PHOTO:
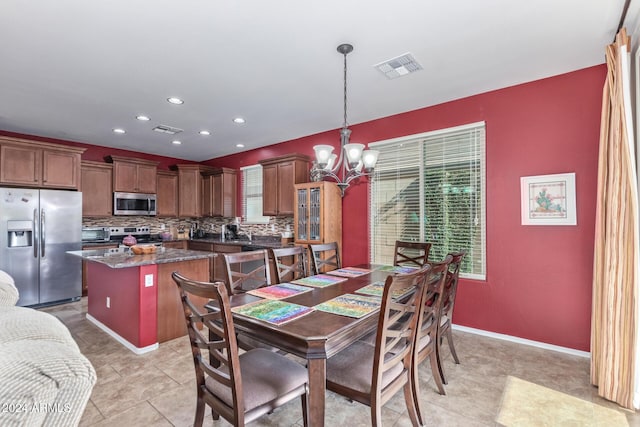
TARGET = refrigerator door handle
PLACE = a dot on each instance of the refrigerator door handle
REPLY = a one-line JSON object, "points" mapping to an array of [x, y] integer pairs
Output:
{"points": [[35, 233], [42, 234]]}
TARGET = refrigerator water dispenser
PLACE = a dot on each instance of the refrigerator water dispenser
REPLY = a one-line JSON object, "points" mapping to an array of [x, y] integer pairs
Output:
{"points": [[20, 234]]}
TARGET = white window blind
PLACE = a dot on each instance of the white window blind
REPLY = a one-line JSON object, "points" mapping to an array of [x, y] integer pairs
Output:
{"points": [[431, 187], [252, 195]]}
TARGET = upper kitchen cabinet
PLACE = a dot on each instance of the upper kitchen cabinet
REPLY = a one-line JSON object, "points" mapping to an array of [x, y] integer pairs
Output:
{"points": [[279, 175], [131, 175], [39, 164], [97, 196], [219, 192], [167, 196], [190, 189]]}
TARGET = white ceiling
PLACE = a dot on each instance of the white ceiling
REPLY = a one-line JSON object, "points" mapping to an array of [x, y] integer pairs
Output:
{"points": [[76, 69]]}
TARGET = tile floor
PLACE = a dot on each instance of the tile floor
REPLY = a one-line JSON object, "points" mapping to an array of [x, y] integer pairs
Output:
{"points": [[157, 389]]}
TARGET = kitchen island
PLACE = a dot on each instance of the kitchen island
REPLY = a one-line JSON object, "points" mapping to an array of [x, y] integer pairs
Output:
{"points": [[133, 297]]}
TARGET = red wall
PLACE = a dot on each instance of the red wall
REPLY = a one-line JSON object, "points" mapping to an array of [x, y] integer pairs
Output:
{"points": [[538, 283]]}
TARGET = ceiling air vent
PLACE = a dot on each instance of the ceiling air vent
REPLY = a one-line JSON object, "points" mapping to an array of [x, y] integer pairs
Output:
{"points": [[398, 67], [167, 129]]}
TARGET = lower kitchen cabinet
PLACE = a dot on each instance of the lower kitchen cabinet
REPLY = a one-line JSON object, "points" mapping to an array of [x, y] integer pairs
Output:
{"points": [[176, 244], [218, 269], [219, 272]]}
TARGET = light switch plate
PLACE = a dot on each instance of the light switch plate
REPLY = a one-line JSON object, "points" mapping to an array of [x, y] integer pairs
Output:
{"points": [[148, 280]]}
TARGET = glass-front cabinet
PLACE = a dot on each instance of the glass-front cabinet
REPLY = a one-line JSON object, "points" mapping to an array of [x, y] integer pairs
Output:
{"points": [[318, 213]]}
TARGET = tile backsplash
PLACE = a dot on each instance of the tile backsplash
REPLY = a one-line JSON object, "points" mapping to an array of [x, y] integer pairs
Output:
{"points": [[276, 226]]}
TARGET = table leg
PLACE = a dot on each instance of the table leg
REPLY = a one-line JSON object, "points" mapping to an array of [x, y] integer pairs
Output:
{"points": [[317, 385]]}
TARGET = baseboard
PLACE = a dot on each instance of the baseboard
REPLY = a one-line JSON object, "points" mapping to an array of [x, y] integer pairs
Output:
{"points": [[124, 342], [518, 340]]}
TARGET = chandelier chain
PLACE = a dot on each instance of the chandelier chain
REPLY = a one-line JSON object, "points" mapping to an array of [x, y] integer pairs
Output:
{"points": [[345, 91]]}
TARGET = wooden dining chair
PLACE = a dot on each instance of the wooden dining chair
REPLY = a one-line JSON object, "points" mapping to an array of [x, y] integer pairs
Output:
{"points": [[238, 387], [448, 300], [372, 375], [289, 263], [246, 270], [411, 253], [324, 257], [426, 342]]}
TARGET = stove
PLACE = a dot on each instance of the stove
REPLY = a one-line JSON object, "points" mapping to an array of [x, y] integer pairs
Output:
{"points": [[142, 235]]}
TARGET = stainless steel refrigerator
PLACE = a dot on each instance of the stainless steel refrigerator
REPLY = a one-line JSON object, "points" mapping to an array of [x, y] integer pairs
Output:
{"points": [[37, 228]]}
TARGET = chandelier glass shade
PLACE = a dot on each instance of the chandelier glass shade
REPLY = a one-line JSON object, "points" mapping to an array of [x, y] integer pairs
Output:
{"points": [[353, 160]]}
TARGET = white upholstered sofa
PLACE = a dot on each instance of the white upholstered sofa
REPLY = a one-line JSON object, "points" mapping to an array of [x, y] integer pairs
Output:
{"points": [[44, 379]]}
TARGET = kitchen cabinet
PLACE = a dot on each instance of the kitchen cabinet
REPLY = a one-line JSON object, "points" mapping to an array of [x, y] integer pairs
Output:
{"points": [[318, 215], [219, 272], [131, 175], [193, 245], [218, 268], [85, 280], [97, 195], [175, 244], [219, 192], [38, 164], [190, 189], [167, 195], [279, 175]]}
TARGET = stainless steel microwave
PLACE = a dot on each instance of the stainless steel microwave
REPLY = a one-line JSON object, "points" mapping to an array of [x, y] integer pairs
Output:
{"points": [[134, 204]]}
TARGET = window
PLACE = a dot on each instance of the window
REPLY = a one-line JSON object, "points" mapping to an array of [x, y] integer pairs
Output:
{"points": [[252, 195], [431, 187]]}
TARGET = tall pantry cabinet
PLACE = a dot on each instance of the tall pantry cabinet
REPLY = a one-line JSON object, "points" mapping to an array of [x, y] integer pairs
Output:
{"points": [[318, 214]]}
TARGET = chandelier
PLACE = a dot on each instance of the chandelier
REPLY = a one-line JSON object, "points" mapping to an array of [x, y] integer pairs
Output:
{"points": [[354, 160]]}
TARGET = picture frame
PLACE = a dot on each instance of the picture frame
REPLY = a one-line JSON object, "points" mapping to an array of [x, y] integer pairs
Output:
{"points": [[548, 199]]}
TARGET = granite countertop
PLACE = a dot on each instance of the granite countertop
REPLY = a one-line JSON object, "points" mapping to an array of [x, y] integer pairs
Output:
{"points": [[122, 258]]}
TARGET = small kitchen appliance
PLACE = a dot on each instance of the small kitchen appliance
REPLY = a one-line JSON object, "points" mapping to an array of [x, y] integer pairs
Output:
{"points": [[95, 234]]}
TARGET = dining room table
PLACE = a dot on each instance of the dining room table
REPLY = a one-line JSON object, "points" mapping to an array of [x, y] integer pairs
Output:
{"points": [[318, 335]]}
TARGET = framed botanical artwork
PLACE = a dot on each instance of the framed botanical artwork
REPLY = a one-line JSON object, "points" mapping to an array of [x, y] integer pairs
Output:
{"points": [[548, 199]]}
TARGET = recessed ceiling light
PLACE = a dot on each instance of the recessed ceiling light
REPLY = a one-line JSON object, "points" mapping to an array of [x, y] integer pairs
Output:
{"points": [[175, 100], [238, 120], [143, 118], [240, 145], [205, 132], [176, 142], [118, 130]]}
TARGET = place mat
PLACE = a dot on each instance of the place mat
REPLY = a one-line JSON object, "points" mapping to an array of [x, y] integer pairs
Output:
{"points": [[350, 305], [397, 269], [273, 311], [349, 272], [319, 280], [377, 288], [281, 291]]}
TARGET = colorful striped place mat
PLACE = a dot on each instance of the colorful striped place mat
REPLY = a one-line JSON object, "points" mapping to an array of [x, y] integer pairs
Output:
{"points": [[377, 288], [397, 269], [273, 311], [319, 280], [280, 291], [349, 272], [350, 305]]}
